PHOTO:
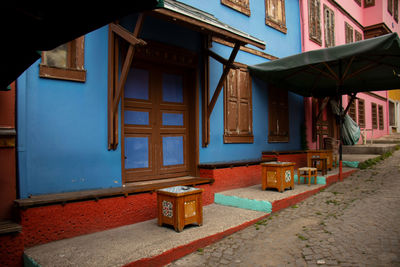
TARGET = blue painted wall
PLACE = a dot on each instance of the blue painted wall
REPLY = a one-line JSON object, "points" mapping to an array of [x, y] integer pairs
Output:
{"points": [[62, 125], [62, 128]]}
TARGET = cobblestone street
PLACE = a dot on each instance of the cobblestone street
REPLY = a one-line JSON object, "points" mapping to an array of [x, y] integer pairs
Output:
{"points": [[351, 223]]}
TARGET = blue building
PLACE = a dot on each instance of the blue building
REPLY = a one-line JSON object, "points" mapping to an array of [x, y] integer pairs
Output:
{"points": [[163, 126], [153, 100]]}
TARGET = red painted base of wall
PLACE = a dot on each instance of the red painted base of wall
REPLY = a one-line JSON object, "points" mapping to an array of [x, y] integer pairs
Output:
{"points": [[54, 222], [11, 250]]}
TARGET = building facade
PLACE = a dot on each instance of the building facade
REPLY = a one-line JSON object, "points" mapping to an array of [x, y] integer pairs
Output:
{"points": [[155, 99], [327, 23]]}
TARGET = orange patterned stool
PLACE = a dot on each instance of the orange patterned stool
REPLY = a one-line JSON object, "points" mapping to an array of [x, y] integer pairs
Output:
{"points": [[307, 172]]}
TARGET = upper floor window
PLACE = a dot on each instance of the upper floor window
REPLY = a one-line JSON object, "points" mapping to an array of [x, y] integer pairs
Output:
{"points": [[358, 2], [329, 26], [396, 10], [374, 116], [380, 117], [352, 110], [390, 6], [361, 112], [368, 3], [238, 122], [314, 17], [242, 6], [358, 36], [348, 33], [275, 14], [65, 62]]}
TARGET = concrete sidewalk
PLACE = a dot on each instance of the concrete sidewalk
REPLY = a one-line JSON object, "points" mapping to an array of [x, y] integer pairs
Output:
{"points": [[148, 244]]}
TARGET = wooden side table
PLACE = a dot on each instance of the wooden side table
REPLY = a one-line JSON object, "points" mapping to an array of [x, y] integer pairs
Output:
{"points": [[179, 206], [279, 175], [307, 173], [320, 154], [320, 163]]}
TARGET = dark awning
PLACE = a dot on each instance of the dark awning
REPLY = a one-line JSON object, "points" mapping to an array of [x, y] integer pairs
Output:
{"points": [[369, 65], [30, 27]]}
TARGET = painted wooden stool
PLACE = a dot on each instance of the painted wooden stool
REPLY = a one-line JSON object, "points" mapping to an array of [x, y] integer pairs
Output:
{"points": [[179, 206], [320, 163], [307, 173]]}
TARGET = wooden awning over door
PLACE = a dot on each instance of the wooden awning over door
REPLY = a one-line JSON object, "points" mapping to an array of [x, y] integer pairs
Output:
{"points": [[187, 16]]}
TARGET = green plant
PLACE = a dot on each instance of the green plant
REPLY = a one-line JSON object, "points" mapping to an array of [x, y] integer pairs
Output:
{"points": [[302, 237]]}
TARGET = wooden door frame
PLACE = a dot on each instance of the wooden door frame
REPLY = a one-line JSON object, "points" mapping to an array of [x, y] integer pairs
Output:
{"points": [[188, 63]]}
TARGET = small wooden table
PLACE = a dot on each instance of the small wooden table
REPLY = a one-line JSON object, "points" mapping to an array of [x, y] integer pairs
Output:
{"points": [[179, 206], [321, 164], [307, 173], [279, 175], [320, 154]]}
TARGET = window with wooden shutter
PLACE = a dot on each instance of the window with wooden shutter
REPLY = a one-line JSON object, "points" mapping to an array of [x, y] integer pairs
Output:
{"points": [[368, 3], [374, 116], [396, 10], [352, 110], [361, 112], [314, 17], [390, 6], [329, 25], [278, 115], [275, 14], [358, 35], [380, 116], [243, 6], [392, 114], [348, 33], [238, 117], [358, 2]]}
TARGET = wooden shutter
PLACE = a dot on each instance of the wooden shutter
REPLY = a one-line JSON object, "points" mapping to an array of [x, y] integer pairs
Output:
{"points": [[238, 123], [380, 113], [361, 113], [314, 10], [242, 6], [368, 3], [358, 36], [374, 116], [348, 33], [396, 10], [275, 14], [352, 110], [278, 115], [390, 6], [329, 24], [358, 2]]}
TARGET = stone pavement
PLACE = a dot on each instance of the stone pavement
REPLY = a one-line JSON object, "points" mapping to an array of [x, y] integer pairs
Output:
{"points": [[351, 223]]}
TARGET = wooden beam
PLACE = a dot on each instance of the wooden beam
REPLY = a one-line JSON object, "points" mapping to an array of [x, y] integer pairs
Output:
{"points": [[222, 79], [126, 35], [205, 92], [110, 88]]}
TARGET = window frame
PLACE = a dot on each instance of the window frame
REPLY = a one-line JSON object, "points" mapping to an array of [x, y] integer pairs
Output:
{"points": [[369, 4], [358, 2], [349, 33], [396, 10], [75, 64], [374, 116], [280, 26], [390, 7], [358, 36], [329, 28], [352, 109], [381, 117], [282, 102], [238, 136], [242, 6], [361, 112], [314, 6]]}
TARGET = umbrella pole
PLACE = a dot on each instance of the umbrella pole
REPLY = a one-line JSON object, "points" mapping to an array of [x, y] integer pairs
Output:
{"points": [[340, 139]]}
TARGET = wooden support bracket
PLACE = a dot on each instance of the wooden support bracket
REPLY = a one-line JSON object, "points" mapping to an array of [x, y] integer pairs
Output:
{"points": [[116, 84], [207, 107]]}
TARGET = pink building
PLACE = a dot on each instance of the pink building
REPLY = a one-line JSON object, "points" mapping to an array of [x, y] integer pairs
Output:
{"points": [[327, 23]]}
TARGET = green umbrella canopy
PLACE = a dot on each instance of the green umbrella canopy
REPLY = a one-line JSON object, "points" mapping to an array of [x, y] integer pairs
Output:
{"points": [[368, 65]]}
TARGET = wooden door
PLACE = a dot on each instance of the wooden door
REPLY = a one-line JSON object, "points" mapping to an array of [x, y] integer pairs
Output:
{"points": [[156, 116]]}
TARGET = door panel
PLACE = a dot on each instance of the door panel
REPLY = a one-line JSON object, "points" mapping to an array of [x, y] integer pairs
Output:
{"points": [[156, 123]]}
